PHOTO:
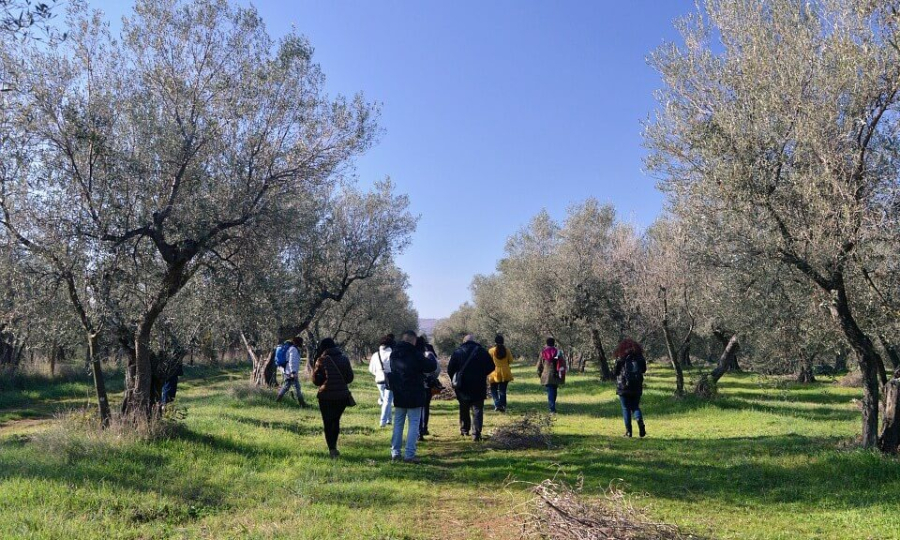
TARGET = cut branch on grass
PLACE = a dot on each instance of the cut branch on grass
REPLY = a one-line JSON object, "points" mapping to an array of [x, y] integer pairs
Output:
{"points": [[558, 511], [530, 431]]}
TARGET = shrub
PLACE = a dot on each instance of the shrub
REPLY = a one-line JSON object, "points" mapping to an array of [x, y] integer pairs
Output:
{"points": [[77, 434]]}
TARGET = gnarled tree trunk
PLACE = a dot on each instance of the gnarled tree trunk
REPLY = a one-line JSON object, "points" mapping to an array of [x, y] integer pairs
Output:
{"points": [[675, 356], [605, 372], [889, 438], [706, 384], [263, 373]]}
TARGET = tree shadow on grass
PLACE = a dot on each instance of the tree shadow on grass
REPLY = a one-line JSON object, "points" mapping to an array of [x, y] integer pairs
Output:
{"points": [[782, 469]]}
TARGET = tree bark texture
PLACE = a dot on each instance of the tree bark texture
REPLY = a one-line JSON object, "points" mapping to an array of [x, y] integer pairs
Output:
{"points": [[889, 438], [602, 361], [99, 383], [707, 383], [869, 362]]}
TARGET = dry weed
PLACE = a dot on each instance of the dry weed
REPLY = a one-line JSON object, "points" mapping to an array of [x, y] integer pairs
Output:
{"points": [[562, 512]]}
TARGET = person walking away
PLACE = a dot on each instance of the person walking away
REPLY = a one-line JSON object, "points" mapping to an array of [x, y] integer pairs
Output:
{"points": [[551, 368], [332, 373], [502, 374], [469, 367], [629, 371], [378, 364], [288, 354], [170, 387], [407, 381], [431, 382]]}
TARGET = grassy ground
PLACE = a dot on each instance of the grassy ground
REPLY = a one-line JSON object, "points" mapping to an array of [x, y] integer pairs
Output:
{"points": [[761, 461]]}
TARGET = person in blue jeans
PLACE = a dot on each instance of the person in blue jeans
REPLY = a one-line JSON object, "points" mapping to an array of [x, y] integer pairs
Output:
{"points": [[407, 381], [551, 368], [629, 371]]}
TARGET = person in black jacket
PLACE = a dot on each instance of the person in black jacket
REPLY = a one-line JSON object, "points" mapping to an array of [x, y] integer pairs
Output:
{"points": [[170, 387], [469, 368], [332, 373], [406, 376], [629, 372]]}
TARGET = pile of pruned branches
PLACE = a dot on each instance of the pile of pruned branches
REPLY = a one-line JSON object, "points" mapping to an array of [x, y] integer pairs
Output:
{"points": [[561, 512], [532, 430], [447, 393]]}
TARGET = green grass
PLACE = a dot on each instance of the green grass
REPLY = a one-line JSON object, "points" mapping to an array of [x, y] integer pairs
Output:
{"points": [[761, 461]]}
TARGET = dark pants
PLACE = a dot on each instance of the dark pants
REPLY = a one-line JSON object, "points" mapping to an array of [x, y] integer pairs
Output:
{"points": [[331, 420], [498, 392], [466, 425], [426, 412], [552, 390], [169, 389], [631, 406]]}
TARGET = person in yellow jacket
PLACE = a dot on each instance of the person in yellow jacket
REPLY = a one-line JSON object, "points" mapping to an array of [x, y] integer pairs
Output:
{"points": [[502, 374]]}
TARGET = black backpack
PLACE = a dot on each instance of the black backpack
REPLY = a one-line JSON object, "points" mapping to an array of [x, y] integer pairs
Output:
{"points": [[630, 379]]}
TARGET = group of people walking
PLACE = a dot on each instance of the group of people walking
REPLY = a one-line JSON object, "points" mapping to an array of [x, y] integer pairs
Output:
{"points": [[407, 371]]}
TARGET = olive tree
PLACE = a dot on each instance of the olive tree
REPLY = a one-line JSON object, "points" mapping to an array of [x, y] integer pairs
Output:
{"points": [[189, 137], [776, 139]]}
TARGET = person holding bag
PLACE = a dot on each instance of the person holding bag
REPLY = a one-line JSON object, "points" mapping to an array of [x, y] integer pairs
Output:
{"points": [[551, 368], [379, 365], [469, 367], [332, 373]]}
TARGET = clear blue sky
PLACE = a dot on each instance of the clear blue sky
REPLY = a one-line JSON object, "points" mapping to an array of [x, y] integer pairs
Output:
{"points": [[492, 110]]}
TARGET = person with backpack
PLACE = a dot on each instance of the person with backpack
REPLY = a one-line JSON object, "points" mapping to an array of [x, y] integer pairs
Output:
{"points": [[407, 381], [332, 373], [502, 374], [432, 383], [551, 368], [469, 367], [378, 365], [629, 371], [287, 359]]}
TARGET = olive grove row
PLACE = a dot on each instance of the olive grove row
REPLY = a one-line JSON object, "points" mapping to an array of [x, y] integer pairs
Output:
{"points": [[185, 181], [776, 141]]}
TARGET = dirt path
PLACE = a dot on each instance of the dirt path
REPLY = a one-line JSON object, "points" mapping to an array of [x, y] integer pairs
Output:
{"points": [[25, 426]]}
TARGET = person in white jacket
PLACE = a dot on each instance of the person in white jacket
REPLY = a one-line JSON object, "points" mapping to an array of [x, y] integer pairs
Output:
{"points": [[291, 372], [378, 366]]}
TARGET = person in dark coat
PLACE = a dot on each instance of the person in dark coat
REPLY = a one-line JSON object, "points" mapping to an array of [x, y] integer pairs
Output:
{"points": [[431, 381], [406, 376], [469, 367], [170, 387], [629, 371], [332, 373]]}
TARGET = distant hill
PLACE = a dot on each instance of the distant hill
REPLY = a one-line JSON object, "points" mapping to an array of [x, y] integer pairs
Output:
{"points": [[426, 326]]}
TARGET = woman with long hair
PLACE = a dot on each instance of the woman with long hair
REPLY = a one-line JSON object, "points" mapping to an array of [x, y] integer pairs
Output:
{"points": [[629, 372], [502, 374], [332, 374]]}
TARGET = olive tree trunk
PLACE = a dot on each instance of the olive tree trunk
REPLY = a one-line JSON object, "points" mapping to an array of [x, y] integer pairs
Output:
{"points": [[602, 361], [706, 384], [889, 438]]}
